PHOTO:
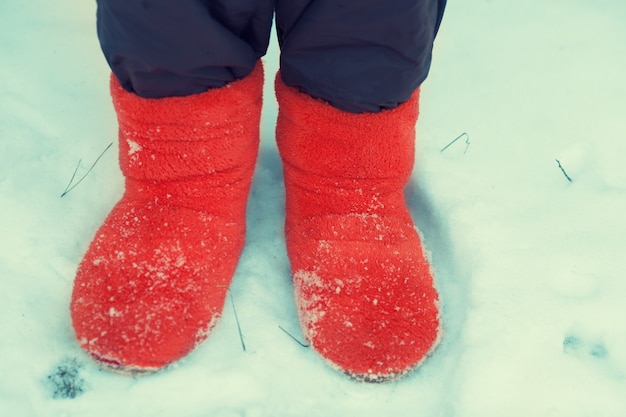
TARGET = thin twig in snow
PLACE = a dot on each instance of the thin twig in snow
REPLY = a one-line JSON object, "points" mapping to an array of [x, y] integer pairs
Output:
{"points": [[293, 337], [232, 301], [70, 187], [563, 170], [467, 142]]}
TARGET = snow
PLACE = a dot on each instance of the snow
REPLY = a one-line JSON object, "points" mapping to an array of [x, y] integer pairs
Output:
{"points": [[530, 266]]}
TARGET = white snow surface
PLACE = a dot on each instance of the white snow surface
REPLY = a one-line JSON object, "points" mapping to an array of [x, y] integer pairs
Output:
{"points": [[530, 267]]}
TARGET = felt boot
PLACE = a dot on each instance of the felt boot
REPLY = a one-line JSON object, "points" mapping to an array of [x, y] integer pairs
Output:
{"points": [[363, 287], [153, 282]]}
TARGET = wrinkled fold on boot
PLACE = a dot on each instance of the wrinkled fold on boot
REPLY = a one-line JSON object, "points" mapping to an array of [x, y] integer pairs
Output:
{"points": [[363, 286], [154, 279]]}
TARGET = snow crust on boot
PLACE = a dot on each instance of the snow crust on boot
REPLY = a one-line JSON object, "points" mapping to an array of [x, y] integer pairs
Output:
{"points": [[153, 281], [363, 286]]}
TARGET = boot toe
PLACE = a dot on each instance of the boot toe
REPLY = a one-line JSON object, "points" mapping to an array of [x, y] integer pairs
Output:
{"points": [[368, 308], [152, 285]]}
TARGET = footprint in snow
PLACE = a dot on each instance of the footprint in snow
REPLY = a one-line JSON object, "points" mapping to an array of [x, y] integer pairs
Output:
{"points": [[578, 346]]}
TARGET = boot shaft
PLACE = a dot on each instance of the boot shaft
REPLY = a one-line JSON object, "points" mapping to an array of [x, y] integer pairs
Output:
{"points": [[354, 163], [195, 151], [183, 137]]}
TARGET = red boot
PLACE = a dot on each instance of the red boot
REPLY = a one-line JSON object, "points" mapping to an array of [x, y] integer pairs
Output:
{"points": [[363, 287], [153, 281]]}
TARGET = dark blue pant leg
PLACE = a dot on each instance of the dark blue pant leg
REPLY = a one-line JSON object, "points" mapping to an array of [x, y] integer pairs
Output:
{"points": [[359, 55], [160, 48]]}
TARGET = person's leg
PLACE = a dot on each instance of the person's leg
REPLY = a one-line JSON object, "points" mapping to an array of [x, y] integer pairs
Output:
{"points": [[164, 48], [153, 281], [358, 55], [346, 133]]}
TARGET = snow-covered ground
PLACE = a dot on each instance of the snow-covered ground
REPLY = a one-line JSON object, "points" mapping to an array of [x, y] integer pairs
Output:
{"points": [[530, 266]]}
